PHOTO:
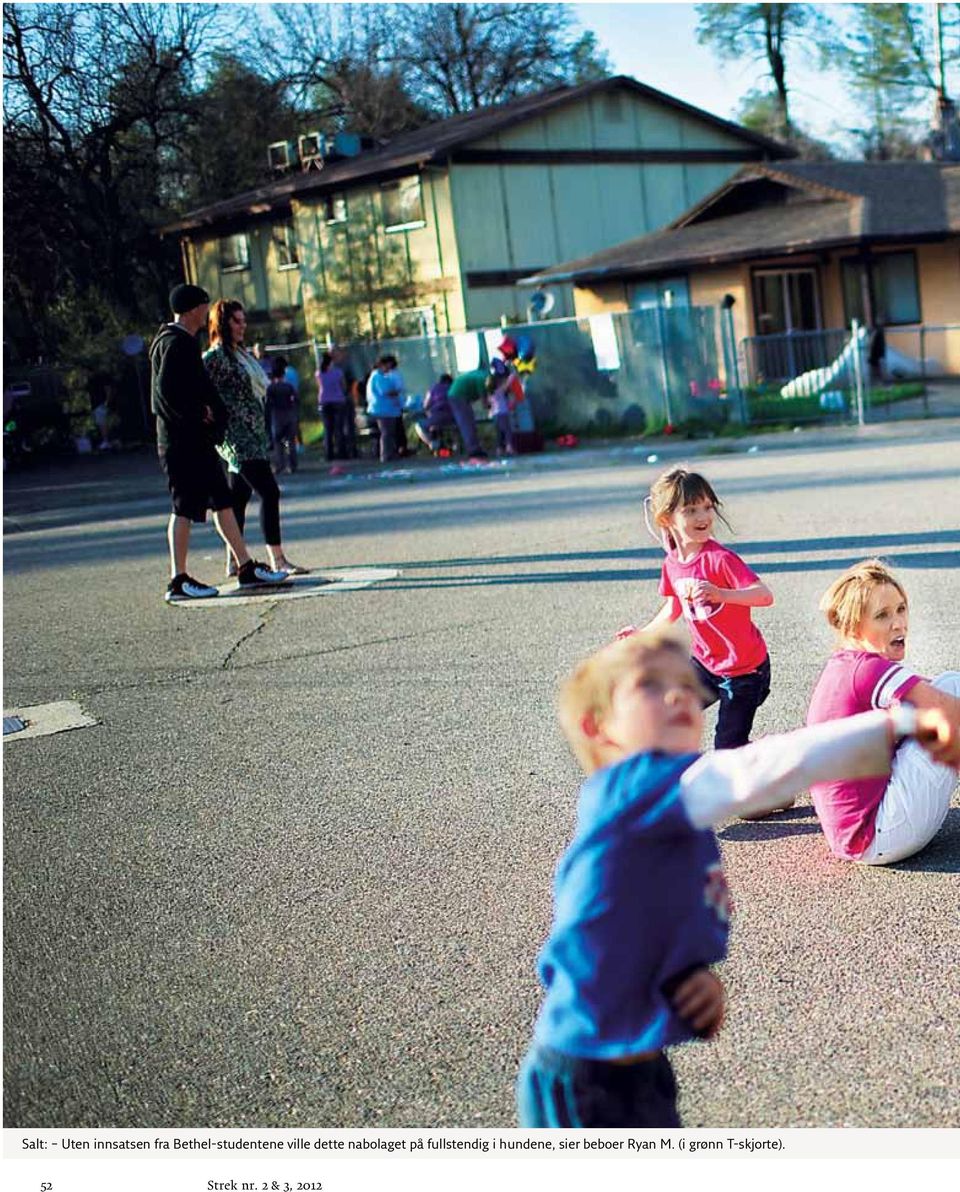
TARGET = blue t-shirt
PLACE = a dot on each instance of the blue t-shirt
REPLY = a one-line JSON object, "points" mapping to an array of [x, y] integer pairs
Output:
{"points": [[639, 899]]}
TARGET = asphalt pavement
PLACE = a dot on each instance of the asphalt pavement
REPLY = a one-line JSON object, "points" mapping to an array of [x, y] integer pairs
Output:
{"points": [[299, 871]]}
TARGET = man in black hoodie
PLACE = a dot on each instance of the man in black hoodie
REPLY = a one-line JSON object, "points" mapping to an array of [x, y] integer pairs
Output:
{"points": [[191, 420]]}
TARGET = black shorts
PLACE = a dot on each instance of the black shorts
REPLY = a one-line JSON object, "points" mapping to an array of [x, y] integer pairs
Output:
{"points": [[196, 480]]}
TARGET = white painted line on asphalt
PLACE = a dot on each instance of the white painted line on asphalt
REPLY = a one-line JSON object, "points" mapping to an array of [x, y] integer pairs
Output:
{"points": [[297, 587], [44, 719]]}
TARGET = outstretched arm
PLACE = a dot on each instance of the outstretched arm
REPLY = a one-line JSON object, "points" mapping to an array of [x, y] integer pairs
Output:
{"points": [[760, 776], [669, 612], [926, 695]]}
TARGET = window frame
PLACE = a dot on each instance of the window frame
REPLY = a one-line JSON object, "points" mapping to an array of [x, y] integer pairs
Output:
{"points": [[781, 271], [871, 264], [330, 202], [288, 243], [396, 185], [236, 266]]}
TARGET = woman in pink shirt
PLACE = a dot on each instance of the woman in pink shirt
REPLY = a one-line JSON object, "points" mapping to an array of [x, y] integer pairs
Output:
{"points": [[878, 821]]}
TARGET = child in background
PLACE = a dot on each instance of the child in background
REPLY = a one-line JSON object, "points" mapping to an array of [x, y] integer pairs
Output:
{"points": [[500, 401], [283, 417], [714, 590], [640, 903]]}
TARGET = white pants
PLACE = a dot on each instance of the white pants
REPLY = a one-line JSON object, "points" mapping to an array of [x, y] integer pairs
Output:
{"points": [[917, 797]]}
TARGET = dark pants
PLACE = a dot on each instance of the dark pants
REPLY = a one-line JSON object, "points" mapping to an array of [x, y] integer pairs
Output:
{"points": [[390, 432], [284, 431], [568, 1093], [739, 699], [351, 447], [504, 433], [255, 475], [334, 416]]}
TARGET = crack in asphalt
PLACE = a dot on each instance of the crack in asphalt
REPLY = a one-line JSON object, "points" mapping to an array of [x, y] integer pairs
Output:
{"points": [[87, 693], [263, 618]]}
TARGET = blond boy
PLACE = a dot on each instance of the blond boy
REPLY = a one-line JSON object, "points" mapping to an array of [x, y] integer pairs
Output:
{"points": [[641, 906]]}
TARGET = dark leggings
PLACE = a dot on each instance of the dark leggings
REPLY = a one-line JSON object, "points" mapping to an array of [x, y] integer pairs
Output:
{"points": [[255, 475]]}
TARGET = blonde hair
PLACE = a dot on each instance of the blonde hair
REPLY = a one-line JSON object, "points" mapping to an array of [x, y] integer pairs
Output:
{"points": [[678, 487], [588, 691], [845, 602]]}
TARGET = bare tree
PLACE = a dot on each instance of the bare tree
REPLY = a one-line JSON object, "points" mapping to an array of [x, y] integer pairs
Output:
{"points": [[337, 63], [96, 101], [457, 57]]}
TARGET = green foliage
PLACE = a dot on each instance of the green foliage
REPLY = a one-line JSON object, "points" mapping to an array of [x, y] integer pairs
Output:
{"points": [[236, 115], [773, 408], [760, 111], [365, 278], [764, 33], [905, 391], [881, 53]]}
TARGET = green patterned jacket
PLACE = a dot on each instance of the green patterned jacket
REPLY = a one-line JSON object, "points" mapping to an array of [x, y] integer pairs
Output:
{"points": [[246, 436]]}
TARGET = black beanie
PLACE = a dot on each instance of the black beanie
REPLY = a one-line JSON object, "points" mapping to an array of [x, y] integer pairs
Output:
{"points": [[184, 298]]}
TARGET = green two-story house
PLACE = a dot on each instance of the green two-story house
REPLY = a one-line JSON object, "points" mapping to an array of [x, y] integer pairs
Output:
{"points": [[429, 232]]}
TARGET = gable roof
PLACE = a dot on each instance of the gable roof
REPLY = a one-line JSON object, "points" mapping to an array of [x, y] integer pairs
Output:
{"points": [[437, 141], [783, 209]]}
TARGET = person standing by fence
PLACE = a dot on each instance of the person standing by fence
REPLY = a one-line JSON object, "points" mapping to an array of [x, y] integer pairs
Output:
{"points": [[385, 404], [333, 408]]}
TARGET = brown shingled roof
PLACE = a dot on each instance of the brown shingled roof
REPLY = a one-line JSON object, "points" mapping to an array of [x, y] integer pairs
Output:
{"points": [[785, 209], [434, 141]]}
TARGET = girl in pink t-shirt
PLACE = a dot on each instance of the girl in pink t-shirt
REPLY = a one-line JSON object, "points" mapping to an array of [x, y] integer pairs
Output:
{"points": [[879, 820], [714, 590]]}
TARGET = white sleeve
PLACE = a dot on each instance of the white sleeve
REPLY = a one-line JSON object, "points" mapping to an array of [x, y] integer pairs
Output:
{"points": [[759, 776]]}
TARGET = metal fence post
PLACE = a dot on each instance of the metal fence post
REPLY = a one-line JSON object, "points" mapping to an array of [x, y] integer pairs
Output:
{"points": [[923, 369], [728, 337], [664, 377], [858, 370]]}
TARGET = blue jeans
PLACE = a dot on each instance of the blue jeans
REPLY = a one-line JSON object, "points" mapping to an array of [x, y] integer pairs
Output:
{"points": [[739, 699], [566, 1092]]}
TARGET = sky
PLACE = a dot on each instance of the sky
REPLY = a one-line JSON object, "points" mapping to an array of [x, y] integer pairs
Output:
{"points": [[657, 45]]}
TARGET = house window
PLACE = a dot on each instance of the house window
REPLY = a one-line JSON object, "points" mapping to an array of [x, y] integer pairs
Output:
{"points": [[336, 208], [234, 252], [402, 204], [285, 245], [893, 288], [786, 300]]}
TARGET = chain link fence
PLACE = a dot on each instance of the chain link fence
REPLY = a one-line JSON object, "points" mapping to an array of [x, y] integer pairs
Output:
{"points": [[633, 372], [851, 374]]}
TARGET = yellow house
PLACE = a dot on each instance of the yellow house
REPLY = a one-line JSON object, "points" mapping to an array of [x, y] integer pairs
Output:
{"points": [[430, 232], [801, 247]]}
